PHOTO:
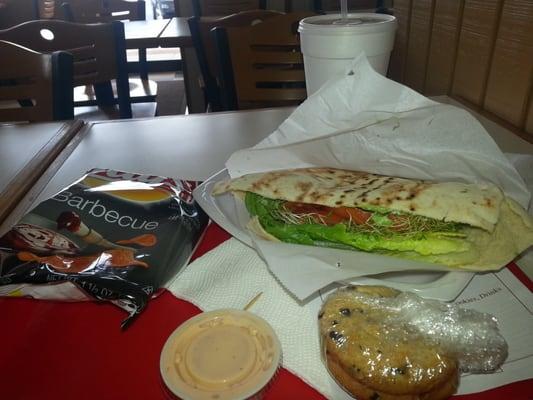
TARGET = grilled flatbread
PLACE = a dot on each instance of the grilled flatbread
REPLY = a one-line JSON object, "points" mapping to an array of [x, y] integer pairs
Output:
{"points": [[456, 224], [450, 201]]}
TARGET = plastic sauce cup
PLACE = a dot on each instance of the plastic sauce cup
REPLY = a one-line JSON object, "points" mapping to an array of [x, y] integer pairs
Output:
{"points": [[220, 355]]}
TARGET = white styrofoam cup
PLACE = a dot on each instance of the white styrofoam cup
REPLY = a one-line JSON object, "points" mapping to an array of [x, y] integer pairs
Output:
{"points": [[328, 44]]}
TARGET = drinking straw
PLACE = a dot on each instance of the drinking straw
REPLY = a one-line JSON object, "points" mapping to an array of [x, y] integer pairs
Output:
{"points": [[344, 10]]}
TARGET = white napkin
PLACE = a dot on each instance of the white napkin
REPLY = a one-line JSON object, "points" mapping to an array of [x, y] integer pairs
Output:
{"points": [[232, 274]]}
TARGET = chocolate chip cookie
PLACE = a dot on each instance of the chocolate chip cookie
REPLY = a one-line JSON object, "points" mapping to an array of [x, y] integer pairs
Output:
{"points": [[372, 356]]}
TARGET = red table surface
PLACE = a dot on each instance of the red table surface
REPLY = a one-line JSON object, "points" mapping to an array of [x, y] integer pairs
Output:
{"points": [[53, 350]]}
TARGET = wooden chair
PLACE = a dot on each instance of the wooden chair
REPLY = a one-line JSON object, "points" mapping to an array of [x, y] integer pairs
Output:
{"points": [[34, 86], [99, 56], [17, 11], [91, 11], [204, 46], [14, 12], [203, 8], [94, 11], [261, 65]]}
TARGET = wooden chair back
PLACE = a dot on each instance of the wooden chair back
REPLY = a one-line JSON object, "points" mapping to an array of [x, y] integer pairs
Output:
{"points": [[261, 65], [17, 11], [204, 46], [99, 52], [224, 7], [92, 11], [34, 86]]}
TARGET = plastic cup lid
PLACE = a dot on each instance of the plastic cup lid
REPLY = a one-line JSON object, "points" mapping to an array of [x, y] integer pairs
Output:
{"points": [[355, 23]]}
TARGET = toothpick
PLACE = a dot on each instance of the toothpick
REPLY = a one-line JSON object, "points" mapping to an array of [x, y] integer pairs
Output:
{"points": [[251, 303]]}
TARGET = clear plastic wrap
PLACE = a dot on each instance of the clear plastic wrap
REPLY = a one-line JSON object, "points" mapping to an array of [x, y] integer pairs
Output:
{"points": [[378, 342]]}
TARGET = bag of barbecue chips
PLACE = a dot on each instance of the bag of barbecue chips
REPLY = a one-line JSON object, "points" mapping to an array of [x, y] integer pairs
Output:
{"points": [[111, 236]]}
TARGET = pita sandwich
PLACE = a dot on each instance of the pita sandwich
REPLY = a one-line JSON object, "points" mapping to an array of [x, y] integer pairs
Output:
{"points": [[467, 226]]}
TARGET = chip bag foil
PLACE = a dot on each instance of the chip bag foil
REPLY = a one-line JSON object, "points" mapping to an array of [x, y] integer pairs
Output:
{"points": [[112, 236]]}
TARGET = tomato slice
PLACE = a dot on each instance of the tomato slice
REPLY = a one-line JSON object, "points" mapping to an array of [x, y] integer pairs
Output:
{"points": [[356, 215], [305, 208], [329, 215]]}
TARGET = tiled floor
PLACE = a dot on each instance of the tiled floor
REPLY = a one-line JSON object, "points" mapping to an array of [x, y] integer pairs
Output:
{"points": [[171, 98]]}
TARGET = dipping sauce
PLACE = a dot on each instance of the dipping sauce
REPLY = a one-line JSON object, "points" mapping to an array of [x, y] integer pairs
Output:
{"points": [[220, 355]]}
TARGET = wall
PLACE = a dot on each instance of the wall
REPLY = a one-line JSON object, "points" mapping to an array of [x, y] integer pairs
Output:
{"points": [[478, 51]]}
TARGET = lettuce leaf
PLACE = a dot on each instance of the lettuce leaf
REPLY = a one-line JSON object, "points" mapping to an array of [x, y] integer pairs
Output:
{"points": [[341, 236]]}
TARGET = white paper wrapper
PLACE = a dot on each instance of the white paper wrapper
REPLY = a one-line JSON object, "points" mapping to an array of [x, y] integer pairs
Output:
{"points": [[363, 121]]}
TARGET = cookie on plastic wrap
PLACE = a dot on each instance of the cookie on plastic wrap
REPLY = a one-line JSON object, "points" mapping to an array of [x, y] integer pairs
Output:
{"points": [[373, 360], [380, 343]]}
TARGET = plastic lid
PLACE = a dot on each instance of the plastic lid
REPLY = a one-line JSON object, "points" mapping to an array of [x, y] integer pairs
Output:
{"points": [[355, 23], [224, 354]]}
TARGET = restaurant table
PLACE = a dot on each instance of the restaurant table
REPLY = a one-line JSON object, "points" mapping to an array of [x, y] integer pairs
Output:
{"points": [[142, 35], [176, 33], [173, 32], [157, 33], [179, 28], [55, 350], [26, 151]]}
